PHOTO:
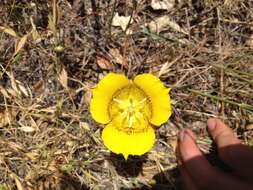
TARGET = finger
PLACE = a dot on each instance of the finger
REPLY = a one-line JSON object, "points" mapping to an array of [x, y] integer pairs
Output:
{"points": [[231, 151], [202, 174], [222, 134], [189, 132], [187, 182], [193, 160]]}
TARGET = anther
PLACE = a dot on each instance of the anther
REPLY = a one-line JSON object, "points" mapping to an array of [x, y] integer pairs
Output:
{"points": [[118, 101]]}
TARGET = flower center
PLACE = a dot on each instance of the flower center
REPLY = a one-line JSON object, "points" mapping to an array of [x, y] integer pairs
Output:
{"points": [[130, 109]]}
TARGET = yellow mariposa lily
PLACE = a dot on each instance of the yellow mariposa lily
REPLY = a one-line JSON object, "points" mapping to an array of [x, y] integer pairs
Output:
{"points": [[130, 109]]}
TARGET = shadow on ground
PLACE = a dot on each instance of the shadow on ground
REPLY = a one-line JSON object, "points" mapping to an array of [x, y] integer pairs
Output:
{"points": [[131, 167], [236, 155]]}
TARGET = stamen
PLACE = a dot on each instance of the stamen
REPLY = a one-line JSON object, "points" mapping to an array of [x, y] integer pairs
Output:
{"points": [[131, 121], [124, 114], [121, 102], [141, 103], [139, 115]]}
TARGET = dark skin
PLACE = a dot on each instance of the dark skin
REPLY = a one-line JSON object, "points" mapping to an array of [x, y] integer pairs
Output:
{"points": [[199, 174]]}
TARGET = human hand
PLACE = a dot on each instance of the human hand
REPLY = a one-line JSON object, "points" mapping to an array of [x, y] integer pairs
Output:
{"points": [[199, 174]]}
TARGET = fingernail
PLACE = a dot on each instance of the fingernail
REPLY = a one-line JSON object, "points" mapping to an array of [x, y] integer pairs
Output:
{"points": [[191, 134], [211, 124], [181, 135]]}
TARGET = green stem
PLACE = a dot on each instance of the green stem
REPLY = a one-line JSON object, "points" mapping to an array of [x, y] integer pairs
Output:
{"points": [[218, 98]]}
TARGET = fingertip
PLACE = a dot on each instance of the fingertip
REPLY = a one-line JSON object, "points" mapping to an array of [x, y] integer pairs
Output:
{"points": [[187, 146], [221, 133], [181, 135], [192, 135], [211, 123], [186, 132], [192, 158]]}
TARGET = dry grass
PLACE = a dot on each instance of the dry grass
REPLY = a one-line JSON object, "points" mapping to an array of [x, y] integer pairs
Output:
{"points": [[47, 137]]}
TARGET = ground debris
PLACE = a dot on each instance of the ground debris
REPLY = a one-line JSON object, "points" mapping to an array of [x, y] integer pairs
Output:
{"points": [[53, 54]]}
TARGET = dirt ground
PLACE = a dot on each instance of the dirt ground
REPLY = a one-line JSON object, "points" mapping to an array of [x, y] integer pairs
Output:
{"points": [[52, 53]]}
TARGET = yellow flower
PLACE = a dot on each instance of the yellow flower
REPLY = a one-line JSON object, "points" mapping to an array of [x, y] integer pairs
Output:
{"points": [[130, 108]]}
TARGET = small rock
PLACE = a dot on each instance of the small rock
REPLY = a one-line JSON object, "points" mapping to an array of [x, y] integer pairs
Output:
{"points": [[162, 4], [163, 23]]}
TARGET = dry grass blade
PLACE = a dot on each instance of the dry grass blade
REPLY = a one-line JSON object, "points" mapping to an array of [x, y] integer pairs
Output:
{"points": [[13, 83], [22, 89], [9, 31], [55, 12], [18, 184], [84, 126], [166, 67], [7, 116], [53, 18], [34, 32], [20, 44], [4, 92], [27, 129], [17, 88], [63, 78]]}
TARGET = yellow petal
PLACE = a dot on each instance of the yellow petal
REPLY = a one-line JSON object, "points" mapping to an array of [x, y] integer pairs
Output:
{"points": [[102, 95], [120, 142], [158, 95]]}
